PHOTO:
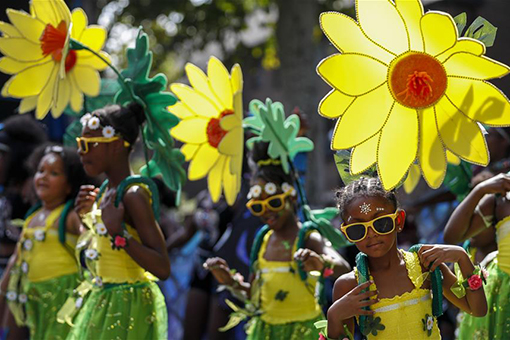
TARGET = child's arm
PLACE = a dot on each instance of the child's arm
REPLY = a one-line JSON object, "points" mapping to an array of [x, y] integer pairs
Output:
{"points": [[222, 273], [474, 302], [317, 253], [349, 301], [463, 223], [73, 223], [151, 252]]}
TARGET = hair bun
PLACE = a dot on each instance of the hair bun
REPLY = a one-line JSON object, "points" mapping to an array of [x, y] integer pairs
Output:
{"points": [[137, 111]]}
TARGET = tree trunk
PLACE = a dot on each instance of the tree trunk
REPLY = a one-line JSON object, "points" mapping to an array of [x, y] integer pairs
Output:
{"points": [[300, 83]]}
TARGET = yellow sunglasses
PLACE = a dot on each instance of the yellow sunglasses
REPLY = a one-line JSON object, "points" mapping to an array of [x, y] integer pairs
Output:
{"points": [[83, 142], [274, 203], [382, 225]]}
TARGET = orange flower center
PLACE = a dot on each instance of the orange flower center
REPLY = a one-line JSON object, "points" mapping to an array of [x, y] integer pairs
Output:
{"points": [[417, 80], [53, 41], [214, 131]]}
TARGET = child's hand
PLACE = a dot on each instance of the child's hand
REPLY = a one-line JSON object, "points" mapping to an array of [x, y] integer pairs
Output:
{"points": [[112, 216], [352, 303], [85, 199], [499, 184], [432, 256], [311, 260], [220, 270]]}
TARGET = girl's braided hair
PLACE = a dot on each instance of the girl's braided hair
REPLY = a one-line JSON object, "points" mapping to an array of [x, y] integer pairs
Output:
{"points": [[267, 171], [363, 187]]}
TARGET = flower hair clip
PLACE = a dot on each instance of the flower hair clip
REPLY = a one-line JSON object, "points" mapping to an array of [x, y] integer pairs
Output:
{"points": [[287, 188], [255, 192], [93, 123], [270, 188], [108, 131]]}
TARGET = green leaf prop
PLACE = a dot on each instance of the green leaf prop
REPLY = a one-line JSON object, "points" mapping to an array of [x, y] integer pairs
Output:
{"points": [[166, 160], [269, 123], [481, 29], [342, 160], [458, 179]]}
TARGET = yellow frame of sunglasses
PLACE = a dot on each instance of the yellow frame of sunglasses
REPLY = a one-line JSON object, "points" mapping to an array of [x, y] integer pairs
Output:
{"points": [[370, 224], [265, 203], [88, 140]]}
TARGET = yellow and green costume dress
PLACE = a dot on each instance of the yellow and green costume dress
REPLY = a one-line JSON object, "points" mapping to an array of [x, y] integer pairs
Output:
{"points": [[288, 305], [123, 301], [496, 324], [406, 316], [45, 274]]}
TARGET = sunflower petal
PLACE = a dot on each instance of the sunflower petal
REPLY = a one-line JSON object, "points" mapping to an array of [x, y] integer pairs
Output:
{"points": [[335, 104], [238, 105], [61, 97], [94, 37], [364, 155], [195, 101], [27, 104], [382, 23], [463, 45], [480, 101], [80, 22], [232, 142], [204, 160], [31, 81], [451, 158], [76, 96], [431, 154], [439, 32], [88, 80], [219, 79], [411, 12], [352, 74], [399, 133], [192, 130], [369, 112], [85, 58], [230, 183], [461, 135], [181, 110], [198, 80], [413, 178], [214, 180], [45, 11], [11, 66], [347, 36], [236, 78], [30, 27], [9, 30], [46, 97], [20, 49], [230, 122], [189, 151], [467, 65]]}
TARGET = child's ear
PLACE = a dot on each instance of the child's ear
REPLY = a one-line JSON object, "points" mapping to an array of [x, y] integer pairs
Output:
{"points": [[400, 220]]}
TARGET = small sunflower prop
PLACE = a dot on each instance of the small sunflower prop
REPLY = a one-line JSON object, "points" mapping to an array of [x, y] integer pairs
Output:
{"points": [[47, 75], [211, 113], [406, 89]]}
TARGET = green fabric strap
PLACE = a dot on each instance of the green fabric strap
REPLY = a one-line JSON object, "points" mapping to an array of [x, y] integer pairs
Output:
{"points": [[255, 248], [33, 209], [62, 223], [130, 181]]}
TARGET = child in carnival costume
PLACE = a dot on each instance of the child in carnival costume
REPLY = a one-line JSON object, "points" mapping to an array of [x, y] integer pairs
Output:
{"points": [[288, 258], [45, 270]]}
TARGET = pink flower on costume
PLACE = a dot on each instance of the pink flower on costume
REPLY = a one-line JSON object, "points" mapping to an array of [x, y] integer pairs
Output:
{"points": [[321, 337], [475, 282], [327, 272], [120, 242]]}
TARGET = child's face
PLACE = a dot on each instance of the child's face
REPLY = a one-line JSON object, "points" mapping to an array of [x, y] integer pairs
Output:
{"points": [[50, 181], [94, 160], [275, 219], [365, 209]]}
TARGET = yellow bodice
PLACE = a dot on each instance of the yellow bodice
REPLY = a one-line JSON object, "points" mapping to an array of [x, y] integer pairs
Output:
{"points": [[106, 264], [284, 296], [41, 254], [503, 240], [407, 316]]}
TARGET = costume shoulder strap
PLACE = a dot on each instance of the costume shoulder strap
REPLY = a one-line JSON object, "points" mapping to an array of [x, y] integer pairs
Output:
{"points": [[257, 244], [62, 223], [33, 209], [54, 216]]}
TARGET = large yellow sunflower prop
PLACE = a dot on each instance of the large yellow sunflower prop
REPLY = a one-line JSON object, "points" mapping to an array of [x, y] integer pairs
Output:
{"points": [[407, 88], [211, 113], [46, 74]]}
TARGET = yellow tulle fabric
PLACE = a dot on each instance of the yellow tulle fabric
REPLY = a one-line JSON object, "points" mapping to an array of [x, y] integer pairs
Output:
{"points": [[284, 296], [383, 115], [48, 258], [402, 315], [503, 239]]}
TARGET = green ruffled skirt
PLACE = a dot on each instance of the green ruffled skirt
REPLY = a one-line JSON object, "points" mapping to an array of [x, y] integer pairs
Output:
{"points": [[122, 311], [496, 324], [300, 330], [44, 299]]}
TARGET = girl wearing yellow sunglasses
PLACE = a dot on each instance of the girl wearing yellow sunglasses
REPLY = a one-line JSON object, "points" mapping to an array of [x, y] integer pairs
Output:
{"points": [[287, 302]]}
